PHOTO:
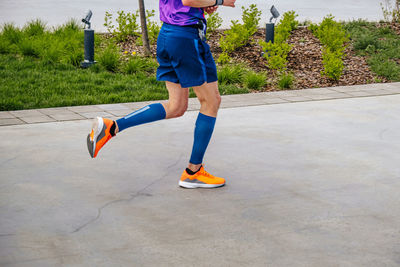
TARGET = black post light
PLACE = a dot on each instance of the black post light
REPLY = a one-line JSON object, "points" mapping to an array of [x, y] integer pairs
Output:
{"points": [[270, 27], [88, 42]]}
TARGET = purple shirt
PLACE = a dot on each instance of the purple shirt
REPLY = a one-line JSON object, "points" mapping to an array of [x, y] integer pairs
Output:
{"points": [[175, 13]]}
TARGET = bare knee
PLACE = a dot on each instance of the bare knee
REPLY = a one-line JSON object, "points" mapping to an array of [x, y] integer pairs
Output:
{"points": [[211, 103], [176, 110]]}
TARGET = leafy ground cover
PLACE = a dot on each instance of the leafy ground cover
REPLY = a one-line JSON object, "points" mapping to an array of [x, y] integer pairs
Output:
{"points": [[379, 44]]}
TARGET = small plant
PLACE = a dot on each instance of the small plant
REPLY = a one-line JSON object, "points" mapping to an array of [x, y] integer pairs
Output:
{"points": [[234, 38], [333, 38], [239, 34], [5, 46], [52, 54], [224, 58], [285, 80], [35, 28], [286, 26], [251, 18], [385, 67], [108, 22], [333, 64], [214, 21], [11, 33], [29, 47], [331, 34], [364, 41], [109, 58], [231, 74], [255, 81], [71, 26], [126, 25], [391, 13], [277, 52], [138, 64]]}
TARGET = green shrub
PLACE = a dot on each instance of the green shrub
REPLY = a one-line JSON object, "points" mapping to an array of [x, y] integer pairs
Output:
{"points": [[276, 53], [5, 45], [109, 58], [234, 38], [333, 37], [126, 25], [239, 34], [287, 24], [231, 74], [214, 21], [139, 64], [251, 18], [286, 80], [255, 81], [331, 34], [333, 64], [35, 28], [71, 26], [11, 33], [224, 58], [29, 47]]}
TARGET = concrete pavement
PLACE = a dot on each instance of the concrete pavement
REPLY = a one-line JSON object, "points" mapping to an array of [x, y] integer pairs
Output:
{"points": [[314, 183]]}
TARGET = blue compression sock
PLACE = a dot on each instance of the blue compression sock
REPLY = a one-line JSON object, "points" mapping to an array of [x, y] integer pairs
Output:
{"points": [[202, 135], [150, 113]]}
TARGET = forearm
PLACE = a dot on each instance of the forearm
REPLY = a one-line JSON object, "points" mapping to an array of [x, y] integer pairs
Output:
{"points": [[198, 3]]}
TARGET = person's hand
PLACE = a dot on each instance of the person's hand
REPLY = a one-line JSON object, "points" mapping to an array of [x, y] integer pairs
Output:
{"points": [[230, 3], [210, 9]]}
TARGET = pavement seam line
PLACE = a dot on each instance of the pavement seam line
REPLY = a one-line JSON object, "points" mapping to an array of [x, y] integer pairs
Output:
{"points": [[132, 197]]}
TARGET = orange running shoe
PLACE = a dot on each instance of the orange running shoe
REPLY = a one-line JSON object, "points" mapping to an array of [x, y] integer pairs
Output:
{"points": [[200, 179], [99, 136]]}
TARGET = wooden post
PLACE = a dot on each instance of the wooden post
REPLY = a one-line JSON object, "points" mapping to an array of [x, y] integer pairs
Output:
{"points": [[145, 36]]}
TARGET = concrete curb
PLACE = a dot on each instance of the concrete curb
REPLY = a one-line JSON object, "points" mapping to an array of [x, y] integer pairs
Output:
{"points": [[230, 101]]}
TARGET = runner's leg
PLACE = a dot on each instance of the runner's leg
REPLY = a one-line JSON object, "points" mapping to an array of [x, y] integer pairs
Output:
{"points": [[175, 107], [210, 100]]}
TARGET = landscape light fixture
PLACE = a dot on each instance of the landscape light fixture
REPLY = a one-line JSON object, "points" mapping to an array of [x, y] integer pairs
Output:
{"points": [[270, 27], [88, 41], [86, 20], [275, 14]]}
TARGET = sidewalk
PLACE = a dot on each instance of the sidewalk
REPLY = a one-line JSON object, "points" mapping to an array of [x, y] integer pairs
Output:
{"points": [[229, 101], [310, 182]]}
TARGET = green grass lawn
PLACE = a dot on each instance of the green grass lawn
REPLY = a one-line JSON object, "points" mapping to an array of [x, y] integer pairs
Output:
{"points": [[28, 83]]}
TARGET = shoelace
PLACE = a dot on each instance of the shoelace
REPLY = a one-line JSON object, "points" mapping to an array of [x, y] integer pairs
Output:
{"points": [[206, 174]]}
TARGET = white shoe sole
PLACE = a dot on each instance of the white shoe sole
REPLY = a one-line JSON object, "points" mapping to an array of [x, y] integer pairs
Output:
{"points": [[196, 185], [97, 126]]}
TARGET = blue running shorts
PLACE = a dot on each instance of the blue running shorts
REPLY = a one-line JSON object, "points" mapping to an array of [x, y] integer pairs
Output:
{"points": [[183, 57]]}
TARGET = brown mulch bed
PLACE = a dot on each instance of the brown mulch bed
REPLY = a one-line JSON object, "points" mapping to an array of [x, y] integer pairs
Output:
{"points": [[305, 60]]}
